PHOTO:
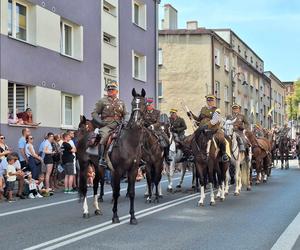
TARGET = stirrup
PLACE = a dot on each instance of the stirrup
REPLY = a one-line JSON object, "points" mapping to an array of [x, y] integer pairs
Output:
{"points": [[225, 158]]}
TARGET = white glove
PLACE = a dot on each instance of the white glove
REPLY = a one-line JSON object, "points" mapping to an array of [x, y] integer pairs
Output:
{"points": [[97, 131], [152, 127]]}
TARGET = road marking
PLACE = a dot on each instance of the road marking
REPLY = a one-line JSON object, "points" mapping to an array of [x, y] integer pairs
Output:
{"points": [[85, 233], [71, 200], [289, 237]]}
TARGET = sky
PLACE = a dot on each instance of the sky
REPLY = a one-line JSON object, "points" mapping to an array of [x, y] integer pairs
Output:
{"points": [[270, 27]]}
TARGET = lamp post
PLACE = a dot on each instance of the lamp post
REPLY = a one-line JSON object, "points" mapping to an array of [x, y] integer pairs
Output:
{"points": [[234, 75]]}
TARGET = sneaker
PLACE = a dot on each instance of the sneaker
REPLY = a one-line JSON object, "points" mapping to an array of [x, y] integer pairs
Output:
{"points": [[66, 191], [72, 191], [39, 195], [31, 196]]}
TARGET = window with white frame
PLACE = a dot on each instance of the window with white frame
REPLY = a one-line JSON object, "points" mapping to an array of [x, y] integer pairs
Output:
{"points": [[217, 57], [139, 66], [109, 70], [160, 90], [139, 13], [218, 89], [67, 110], [109, 39], [17, 20], [17, 98], [67, 39], [226, 63], [160, 56], [109, 8]]}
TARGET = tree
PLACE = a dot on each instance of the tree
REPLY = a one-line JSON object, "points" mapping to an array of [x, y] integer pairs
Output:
{"points": [[293, 102]]}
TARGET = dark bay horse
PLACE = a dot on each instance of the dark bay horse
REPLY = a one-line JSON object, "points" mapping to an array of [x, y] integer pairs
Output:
{"points": [[85, 131], [126, 154], [284, 147]]}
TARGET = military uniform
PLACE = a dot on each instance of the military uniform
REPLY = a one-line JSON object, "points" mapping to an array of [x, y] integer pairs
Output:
{"points": [[207, 115], [109, 112], [178, 127], [240, 124]]}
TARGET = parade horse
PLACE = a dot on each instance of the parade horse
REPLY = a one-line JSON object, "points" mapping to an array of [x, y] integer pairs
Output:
{"points": [[298, 149], [260, 156], [83, 134], [125, 155], [275, 149], [238, 160], [153, 156], [284, 147]]}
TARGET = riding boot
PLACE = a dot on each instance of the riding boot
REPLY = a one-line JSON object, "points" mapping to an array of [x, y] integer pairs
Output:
{"points": [[166, 153], [101, 155]]}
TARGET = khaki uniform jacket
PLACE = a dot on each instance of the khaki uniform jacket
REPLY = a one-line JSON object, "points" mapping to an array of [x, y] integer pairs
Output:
{"points": [[178, 125], [241, 122], [206, 114], [109, 110], [152, 118]]}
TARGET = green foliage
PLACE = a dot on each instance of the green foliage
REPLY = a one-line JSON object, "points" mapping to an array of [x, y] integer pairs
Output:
{"points": [[293, 102]]}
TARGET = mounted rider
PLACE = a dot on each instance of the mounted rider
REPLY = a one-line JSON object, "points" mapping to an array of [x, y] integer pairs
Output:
{"points": [[241, 123], [285, 131], [152, 121], [109, 113], [178, 125], [210, 120]]}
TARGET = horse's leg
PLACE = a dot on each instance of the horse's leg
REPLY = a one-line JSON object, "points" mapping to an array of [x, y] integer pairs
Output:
{"points": [[237, 176], [201, 172], [171, 174], [83, 187], [95, 188], [281, 158], [131, 183], [211, 180], [183, 171], [149, 183], [116, 194], [227, 182], [102, 176]]}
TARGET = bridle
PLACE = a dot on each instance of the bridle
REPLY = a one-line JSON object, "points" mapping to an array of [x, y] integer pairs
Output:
{"points": [[137, 108]]}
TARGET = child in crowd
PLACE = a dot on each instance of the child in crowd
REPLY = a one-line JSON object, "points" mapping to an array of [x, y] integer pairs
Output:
{"points": [[11, 176], [40, 185], [90, 176], [33, 193]]}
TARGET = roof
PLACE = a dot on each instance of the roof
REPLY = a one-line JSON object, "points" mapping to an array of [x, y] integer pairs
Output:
{"points": [[169, 5], [230, 30], [288, 83], [275, 77], [186, 32]]}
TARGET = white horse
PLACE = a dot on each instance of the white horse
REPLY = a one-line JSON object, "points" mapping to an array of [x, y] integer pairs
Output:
{"points": [[176, 156], [238, 160]]}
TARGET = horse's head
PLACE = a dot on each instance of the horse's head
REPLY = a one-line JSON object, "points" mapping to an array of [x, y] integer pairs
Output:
{"points": [[138, 107], [228, 127], [85, 126]]}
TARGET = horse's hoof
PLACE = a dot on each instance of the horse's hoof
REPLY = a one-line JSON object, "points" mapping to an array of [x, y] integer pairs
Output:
{"points": [[226, 193], [160, 196], [156, 200], [146, 195], [218, 197], [257, 183], [86, 215], [178, 186], [100, 199], [248, 188], [98, 212], [115, 220], [236, 193], [264, 181], [200, 204], [222, 199], [148, 200], [170, 190], [212, 203], [133, 221]]}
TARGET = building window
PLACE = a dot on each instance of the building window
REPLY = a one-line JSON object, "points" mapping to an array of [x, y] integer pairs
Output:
{"points": [[226, 63], [109, 39], [160, 90], [139, 13], [226, 94], [17, 98], [139, 66], [67, 39], [239, 48], [67, 110], [109, 70], [17, 20], [160, 57], [218, 89], [217, 57], [107, 7]]}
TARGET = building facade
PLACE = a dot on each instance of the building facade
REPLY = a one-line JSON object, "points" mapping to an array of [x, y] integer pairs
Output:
{"points": [[57, 56], [277, 99]]}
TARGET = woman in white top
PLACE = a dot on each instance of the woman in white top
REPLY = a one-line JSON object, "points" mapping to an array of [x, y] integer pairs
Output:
{"points": [[48, 159], [4, 150], [32, 157]]}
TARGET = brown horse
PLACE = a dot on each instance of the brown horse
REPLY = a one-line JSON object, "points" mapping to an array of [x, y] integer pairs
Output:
{"points": [[83, 134], [260, 155], [284, 147], [126, 154]]}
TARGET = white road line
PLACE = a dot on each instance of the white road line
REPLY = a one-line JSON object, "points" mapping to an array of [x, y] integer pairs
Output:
{"points": [[84, 233], [71, 200], [289, 237]]}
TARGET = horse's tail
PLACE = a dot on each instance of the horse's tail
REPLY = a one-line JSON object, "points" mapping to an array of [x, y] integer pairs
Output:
{"points": [[245, 172]]}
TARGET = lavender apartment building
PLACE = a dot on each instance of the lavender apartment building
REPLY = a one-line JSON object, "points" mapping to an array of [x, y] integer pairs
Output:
{"points": [[56, 57]]}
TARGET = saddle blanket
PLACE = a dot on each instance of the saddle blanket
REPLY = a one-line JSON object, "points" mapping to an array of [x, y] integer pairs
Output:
{"points": [[264, 144]]}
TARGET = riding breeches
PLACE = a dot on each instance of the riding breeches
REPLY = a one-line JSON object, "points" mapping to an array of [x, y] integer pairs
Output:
{"points": [[106, 131]]}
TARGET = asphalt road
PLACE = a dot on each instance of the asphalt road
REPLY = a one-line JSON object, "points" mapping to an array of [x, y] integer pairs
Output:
{"points": [[268, 217]]}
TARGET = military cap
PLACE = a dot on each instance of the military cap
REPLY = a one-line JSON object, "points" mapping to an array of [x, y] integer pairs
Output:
{"points": [[210, 97], [173, 110], [149, 100], [112, 86], [235, 105]]}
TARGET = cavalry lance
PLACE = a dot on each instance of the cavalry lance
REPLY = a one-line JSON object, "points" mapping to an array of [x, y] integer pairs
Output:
{"points": [[191, 118]]}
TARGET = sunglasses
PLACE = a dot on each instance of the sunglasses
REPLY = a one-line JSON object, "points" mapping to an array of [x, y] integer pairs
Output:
{"points": [[2, 138], [30, 138], [210, 100]]}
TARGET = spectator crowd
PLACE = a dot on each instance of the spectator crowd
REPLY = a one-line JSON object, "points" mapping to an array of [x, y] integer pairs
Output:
{"points": [[37, 173]]}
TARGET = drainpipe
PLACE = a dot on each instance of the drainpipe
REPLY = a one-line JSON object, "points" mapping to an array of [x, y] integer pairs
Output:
{"points": [[213, 65], [156, 51]]}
